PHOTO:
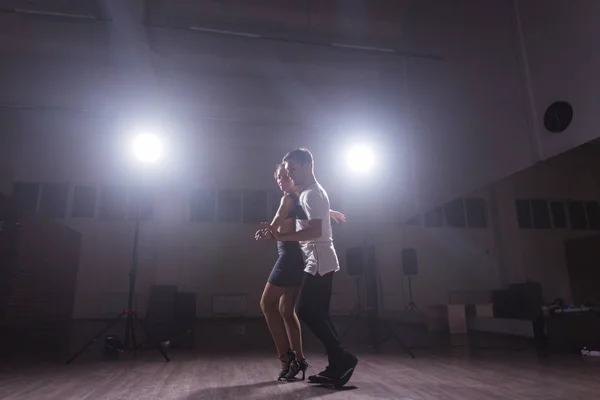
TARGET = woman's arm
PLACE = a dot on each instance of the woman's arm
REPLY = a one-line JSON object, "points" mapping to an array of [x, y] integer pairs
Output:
{"points": [[282, 212]]}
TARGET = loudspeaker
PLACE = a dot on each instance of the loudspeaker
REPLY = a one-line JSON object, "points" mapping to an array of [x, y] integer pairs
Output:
{"points": [[185, 308], [185, 319], [161, 311], [410, 265], [355, 261]]}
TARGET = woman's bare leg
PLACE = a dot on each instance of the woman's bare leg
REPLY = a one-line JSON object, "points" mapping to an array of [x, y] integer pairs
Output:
{"points": [[269, 306], [287, 308]]}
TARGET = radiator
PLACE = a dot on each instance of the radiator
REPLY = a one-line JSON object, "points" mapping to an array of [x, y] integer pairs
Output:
{"points": [[229, 304]]}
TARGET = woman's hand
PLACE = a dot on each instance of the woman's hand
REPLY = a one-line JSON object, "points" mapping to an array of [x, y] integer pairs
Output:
{"points": [[337, 216], [271, 230], [263, 234]]}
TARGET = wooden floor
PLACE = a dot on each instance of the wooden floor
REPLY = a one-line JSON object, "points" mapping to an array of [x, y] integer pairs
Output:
{"points": [[457, 374]]}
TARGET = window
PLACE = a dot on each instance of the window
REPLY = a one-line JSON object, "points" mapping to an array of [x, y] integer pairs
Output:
{"points": [[577, 215], [254, 206], [229, 206], [524, 217], [53, 202], [476, 213], [592, 210], [544, 214], [540, 214], [113, 203], [455, 214], [140, 204], [559, 214], [26, 195], [202, 205], [435, 218]]}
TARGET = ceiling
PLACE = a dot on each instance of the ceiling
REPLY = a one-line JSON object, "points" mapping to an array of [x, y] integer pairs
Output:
{"points": [[373, 22], [75, 9]]}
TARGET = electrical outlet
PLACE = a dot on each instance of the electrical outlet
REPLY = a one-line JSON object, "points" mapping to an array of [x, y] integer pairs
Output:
{"points": [[240, 329]]}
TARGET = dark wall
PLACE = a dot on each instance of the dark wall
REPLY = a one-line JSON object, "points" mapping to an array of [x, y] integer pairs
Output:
{"points": [[583, 264]]}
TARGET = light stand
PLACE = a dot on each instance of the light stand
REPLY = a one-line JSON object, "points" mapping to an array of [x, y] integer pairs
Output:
{"points": [[129, 312], [360, 160], [411, 306]]}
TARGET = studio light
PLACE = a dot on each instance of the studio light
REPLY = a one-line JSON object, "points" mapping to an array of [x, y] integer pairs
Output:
{"points": [[147, 148], [361, 158]]}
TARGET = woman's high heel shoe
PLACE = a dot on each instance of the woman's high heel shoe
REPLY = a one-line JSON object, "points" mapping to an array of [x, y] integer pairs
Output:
{"points": [[297, 367], [291, 362]]}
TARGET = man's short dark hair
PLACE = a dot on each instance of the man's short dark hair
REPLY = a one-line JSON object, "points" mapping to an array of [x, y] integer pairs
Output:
{"points": [[302, 155]]}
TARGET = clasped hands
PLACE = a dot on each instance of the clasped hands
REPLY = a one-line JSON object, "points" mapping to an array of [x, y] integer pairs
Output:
{"points": [[266, 232]]}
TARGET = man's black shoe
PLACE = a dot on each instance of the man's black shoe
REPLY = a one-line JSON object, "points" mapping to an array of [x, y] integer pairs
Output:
{"points": [[325, 377], [345, 370]]}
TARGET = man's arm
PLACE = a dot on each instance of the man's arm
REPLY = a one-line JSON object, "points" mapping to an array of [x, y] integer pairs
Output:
{"points": [[314, 230], [285, 206], [317, 209]]}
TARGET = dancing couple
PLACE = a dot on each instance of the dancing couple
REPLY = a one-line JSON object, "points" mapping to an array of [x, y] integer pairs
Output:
{"points": [[303, 273]]}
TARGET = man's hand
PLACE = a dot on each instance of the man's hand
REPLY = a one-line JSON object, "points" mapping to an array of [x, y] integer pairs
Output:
{"points": [[266, 232], [273, 232], [337, 216]]}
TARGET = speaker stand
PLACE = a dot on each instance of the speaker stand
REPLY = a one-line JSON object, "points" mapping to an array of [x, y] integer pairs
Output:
{"points": [[391, 335], [411, 306], [357, 313], [367, 316]]}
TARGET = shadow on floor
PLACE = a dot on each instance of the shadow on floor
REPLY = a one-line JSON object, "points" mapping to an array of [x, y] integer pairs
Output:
{"points": [[252, 391]]}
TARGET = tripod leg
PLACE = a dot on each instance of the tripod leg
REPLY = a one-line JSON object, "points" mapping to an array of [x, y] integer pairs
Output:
{"points": [[138, 345], [133, 315], [355, 314], [397, 339], [149, 338], [348, 328], [88, 344]]}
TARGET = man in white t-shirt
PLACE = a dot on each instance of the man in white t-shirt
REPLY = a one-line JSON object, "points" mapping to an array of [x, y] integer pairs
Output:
{"points": [[321, 262]]}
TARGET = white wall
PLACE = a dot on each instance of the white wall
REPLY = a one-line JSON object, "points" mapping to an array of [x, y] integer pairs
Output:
{"points": [[223, 258], [449, 260], [539, 254], [479, 260]]}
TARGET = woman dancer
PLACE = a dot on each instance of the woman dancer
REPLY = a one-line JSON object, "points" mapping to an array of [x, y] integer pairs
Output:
{"points": [[278, 300]]}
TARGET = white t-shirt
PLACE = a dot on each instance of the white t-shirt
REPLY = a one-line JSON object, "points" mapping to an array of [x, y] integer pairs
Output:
{"points": [[319, 254]]}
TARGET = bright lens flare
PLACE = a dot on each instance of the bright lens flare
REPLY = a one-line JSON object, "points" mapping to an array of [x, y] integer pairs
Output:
{"points": [[147, 148], [361, 159]]}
